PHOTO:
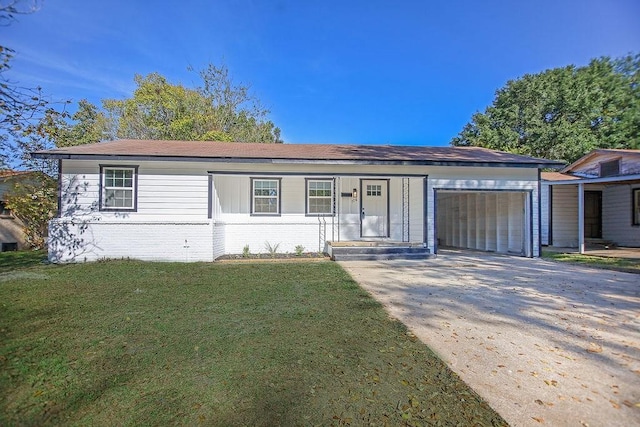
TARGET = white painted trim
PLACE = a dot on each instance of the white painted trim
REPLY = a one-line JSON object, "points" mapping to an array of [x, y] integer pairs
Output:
{"points": [[624, 178], [581, 217]]}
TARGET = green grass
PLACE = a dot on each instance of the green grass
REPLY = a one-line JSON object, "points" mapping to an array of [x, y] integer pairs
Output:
{"points": [[610, 263], [21, 259], [133, 343]]}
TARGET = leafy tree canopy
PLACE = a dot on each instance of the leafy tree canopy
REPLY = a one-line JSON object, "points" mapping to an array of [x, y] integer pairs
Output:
{"points": [[19, 105], [563, 113], [34, 201], [216, 110]]}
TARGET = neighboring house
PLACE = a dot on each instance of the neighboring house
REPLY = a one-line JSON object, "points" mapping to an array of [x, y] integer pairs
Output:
{"points": [[196, 201], [594, 200], [12, 237]]}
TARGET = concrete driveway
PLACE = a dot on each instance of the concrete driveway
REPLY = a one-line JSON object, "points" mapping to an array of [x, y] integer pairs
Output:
{"points": [[543, 343]]}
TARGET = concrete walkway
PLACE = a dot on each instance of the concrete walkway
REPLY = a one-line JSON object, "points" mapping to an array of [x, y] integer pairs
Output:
{"points": [[543, 343]]}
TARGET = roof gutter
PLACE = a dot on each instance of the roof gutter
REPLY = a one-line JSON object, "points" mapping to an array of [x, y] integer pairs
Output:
{"points": [[609, 179], [128, 157]]}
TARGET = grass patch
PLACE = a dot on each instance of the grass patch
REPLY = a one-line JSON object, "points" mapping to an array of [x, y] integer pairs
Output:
{"points": [[13, 260], [610, 263], [133, 343]]}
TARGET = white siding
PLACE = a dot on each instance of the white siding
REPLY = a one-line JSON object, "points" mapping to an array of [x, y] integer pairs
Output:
{"points": [[544, 213], [616, 213], [293, 227], [564, 216], [163, 190], [416, 210]]}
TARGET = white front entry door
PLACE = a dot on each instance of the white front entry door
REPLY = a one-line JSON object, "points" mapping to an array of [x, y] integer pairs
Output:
{"points": [[374, 211]]}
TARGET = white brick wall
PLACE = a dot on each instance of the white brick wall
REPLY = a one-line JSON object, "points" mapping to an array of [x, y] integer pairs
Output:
{"points": [[287, 235], [76, 241]]}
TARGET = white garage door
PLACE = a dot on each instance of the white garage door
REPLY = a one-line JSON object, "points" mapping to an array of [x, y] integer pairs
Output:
{"points": [[495, 221]]}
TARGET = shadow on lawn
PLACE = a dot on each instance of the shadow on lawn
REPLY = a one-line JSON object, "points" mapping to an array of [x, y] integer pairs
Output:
{"points": [[15, 260]]}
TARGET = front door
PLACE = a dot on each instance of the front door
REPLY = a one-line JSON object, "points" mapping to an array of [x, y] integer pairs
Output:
{"points": [[593, 214], [374, 210]]}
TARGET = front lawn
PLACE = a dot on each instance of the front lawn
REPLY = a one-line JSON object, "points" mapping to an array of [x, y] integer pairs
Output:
{"points": [[13, 260], [133, 343], [608, 263]]}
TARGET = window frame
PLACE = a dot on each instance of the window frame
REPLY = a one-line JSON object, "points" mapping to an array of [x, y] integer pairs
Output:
{"points": [[369, 189], [252, 196], [635, 207], [307, 197], [133, 188]]}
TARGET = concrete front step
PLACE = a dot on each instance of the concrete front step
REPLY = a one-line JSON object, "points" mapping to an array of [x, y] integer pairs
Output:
{"points": [[379, 257], [367, 252], [379, 250]]}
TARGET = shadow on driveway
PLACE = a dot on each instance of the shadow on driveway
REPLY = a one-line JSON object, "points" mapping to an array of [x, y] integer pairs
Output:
{"points": [[540, 341]]}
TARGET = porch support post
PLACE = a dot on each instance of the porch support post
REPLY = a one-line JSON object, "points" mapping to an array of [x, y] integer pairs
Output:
{"points": [[581, 218]]}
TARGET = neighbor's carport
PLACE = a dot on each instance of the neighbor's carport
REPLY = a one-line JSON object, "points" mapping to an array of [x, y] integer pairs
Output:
{"points": [[493, 221]]}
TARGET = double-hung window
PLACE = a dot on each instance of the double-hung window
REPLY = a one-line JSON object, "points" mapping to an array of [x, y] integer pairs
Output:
{"points": [[265, 196], [118, 190], [319, 197]]}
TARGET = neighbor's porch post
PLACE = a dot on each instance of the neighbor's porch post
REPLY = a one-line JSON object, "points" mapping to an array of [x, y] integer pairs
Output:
{"points": [[581, 218]]}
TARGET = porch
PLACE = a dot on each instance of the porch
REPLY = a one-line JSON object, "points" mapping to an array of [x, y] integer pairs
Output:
{"points": [[593, 216]]}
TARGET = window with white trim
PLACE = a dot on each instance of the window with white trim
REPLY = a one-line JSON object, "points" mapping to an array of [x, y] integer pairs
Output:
{"points": [[118, 188], [319, 197], [265, 196], [636, 206]]}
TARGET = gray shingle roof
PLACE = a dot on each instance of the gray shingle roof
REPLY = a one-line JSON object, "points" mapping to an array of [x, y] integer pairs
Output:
{"points": [[316, 153]]}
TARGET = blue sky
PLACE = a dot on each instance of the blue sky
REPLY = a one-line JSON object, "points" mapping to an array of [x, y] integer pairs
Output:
{"points": [[370, 72]]}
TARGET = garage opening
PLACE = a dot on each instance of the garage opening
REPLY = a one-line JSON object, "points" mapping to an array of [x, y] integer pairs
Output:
{"points": [[493, 221]]}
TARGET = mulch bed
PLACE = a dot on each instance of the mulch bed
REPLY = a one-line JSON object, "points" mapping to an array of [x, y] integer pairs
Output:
{"points": [[308, 256]]}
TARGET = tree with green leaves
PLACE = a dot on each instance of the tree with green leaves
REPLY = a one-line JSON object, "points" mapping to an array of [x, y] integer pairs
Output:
{"points": [[218, 110], [563, 113], [19, 105], [24, 111], [34, 202]]}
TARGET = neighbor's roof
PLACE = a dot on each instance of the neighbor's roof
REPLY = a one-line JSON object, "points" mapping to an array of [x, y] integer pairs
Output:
{"points": [[600, 151], [291, 153], [557, 176]]}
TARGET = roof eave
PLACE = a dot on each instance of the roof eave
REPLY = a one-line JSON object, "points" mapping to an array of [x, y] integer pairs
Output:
{"points": [[604, 180], [115, 157]]}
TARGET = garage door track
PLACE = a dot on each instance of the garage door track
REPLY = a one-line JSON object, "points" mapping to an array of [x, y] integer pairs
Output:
{"points": [[543, 343]]}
